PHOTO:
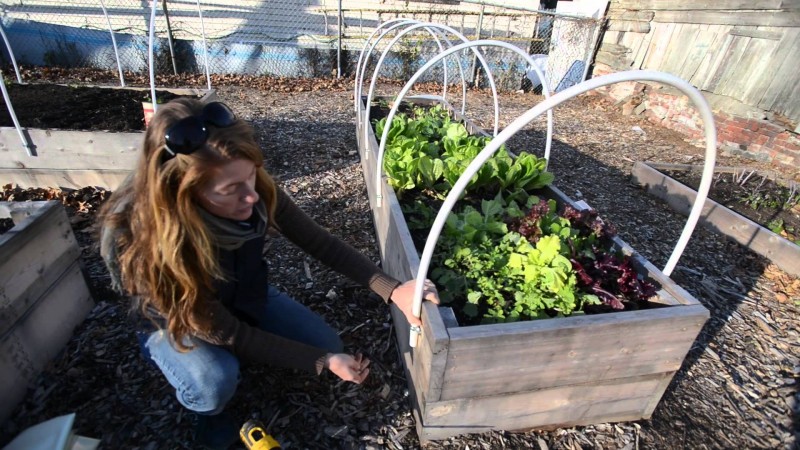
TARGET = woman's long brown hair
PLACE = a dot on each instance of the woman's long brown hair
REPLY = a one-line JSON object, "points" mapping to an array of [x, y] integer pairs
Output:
{"points": [[165, 252]]}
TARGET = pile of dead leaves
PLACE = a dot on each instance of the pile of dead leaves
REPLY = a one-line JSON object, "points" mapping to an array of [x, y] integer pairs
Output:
{"points": [[85, 200]]}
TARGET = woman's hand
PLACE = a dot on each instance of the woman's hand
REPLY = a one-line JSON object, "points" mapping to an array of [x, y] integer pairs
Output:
{"points": [[347, 367], [403, 297]]}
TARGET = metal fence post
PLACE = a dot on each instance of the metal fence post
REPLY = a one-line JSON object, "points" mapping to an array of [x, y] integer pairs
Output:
{"points": [[475, 58], [169, 38], [339, 44]]}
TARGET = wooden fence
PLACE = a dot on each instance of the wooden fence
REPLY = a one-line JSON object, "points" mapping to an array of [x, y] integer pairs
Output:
{"points": [[747, 50]]}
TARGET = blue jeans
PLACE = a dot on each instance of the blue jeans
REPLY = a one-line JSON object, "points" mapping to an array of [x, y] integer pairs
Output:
{"points": [[205, 377]]}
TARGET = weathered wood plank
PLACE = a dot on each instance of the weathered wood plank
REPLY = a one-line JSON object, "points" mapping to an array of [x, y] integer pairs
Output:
{"points": [[568, 351], [642, 49], [784, 64], [789, 106], [662, 34], [760, 18], [774, 34], [710, 62], [634, 26], [697, 52], [73, 179], [21, 293], [694, 6], [430, 355], [753, 65], [66, 149], [683, 39], [718, 218], [726, 64], [645, 16], [40, 335], [620, 399], [618, 62], [30, 247], [788, 102]]}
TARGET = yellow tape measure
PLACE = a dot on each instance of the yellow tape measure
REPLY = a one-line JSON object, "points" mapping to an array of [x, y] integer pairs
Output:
{"points": [[255, 438]]}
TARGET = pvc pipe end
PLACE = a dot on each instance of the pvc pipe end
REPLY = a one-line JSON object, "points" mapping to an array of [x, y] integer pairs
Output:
{"points": [[413, 337]]}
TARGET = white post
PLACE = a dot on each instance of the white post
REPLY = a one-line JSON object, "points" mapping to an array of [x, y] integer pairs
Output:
{"points": [[13, 115], [151, 59], [339, 44], [114, 43], [205, 47], [10, 53]]}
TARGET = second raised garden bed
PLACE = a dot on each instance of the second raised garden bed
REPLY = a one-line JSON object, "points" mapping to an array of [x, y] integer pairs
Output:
{"points": [[74, 158], [652, 177], [548, 373]]}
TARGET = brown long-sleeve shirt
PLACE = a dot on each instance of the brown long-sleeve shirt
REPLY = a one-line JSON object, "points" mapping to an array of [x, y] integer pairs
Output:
{"points": [[247, 282]]}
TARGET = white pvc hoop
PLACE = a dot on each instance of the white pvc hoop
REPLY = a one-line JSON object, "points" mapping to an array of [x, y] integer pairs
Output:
{"points": [[205, 47], [635, 75], [436, 59], [359, 76], [150, 58], [413, 26], [435, 32], [367, 43], [10, 53], [13, 115], [428, 65], [114, 43]]}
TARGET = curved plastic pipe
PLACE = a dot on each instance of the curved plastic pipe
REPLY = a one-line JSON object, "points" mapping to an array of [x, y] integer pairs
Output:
{"points": [[421, 71], [399, 23], [150, 55], [357, 89], [114, 43], [367, 43], [13, 115], [702, 192], [429, 27], [205, 47], [10, 53]]}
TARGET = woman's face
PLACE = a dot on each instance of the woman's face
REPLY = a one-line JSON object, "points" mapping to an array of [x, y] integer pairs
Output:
{"points": [[230, 192]]}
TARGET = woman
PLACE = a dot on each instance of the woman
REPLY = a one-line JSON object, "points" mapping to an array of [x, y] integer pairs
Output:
{"points": [[184, 237]]}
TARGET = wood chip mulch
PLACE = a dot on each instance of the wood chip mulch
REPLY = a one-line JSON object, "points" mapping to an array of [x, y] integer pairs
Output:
{"points": [[738, 387]]}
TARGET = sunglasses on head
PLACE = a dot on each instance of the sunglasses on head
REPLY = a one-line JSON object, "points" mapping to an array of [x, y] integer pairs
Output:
{"points": [[190, 133]]}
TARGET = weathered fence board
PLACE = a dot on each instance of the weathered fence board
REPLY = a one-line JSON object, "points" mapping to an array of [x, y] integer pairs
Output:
{"points": [[761, 18], [710, 5]]}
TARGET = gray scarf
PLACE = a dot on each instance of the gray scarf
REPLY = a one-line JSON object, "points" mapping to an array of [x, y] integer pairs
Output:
{"points": [[230, 234]]}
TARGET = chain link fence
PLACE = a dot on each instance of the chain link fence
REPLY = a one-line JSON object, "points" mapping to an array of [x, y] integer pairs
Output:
{"points": [[294, 38]]}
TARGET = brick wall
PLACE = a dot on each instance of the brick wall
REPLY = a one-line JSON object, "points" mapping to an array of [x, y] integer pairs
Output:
{"points": [[742, 134]]}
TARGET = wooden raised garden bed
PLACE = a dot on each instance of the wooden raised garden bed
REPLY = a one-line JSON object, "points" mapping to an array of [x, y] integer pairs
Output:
{"points": [[717, 217], [75, 158], [577, 370], [44, 293]]}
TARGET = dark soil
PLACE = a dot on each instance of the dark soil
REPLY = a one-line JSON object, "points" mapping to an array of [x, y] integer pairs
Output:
{"points": [[5, 225], [78, 107], [758, 198]]}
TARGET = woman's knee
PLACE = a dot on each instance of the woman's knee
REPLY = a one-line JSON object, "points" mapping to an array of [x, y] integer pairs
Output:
{"points": [[211, 388], [205, 378]]}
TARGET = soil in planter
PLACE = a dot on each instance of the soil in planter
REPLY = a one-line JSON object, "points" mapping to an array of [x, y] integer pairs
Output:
{"points": [[605, 274], [78, 107], [760, 199]]}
